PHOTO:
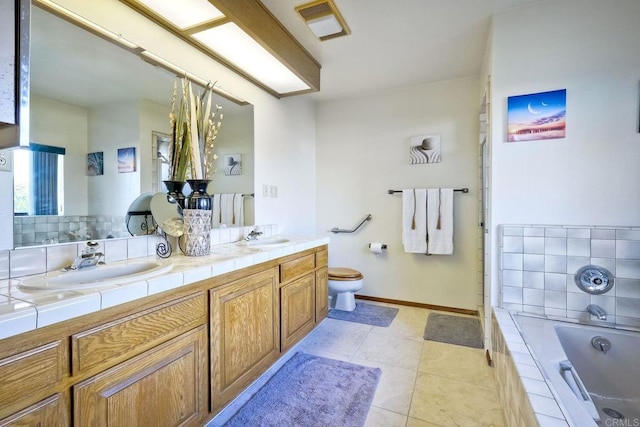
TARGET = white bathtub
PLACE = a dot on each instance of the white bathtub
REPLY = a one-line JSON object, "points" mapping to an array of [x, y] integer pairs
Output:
{"points": [[588, 383]]}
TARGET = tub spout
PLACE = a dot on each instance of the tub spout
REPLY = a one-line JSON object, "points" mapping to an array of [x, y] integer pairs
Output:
{"points": [[597, 311]]}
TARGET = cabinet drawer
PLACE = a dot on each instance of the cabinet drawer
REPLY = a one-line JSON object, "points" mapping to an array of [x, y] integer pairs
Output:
{"points": [[31, 376], [114, 342], [322, 258], [297, 267]]}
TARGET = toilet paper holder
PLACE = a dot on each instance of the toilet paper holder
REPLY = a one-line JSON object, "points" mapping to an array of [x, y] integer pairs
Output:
{"points": [[384, 245]]}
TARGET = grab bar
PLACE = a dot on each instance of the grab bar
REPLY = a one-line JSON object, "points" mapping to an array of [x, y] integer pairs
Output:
{"points": [[338, 230], [577, 387]]}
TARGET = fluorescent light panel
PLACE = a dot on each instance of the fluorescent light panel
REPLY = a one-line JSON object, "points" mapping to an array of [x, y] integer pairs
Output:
{"points": [[184, 13], [230, 42], [86, 23]]}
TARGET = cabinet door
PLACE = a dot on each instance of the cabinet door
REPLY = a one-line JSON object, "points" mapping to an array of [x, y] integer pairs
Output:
{"points": [[322, 293], [298, 310], [244, 333], [165, 386], [50, 412]]}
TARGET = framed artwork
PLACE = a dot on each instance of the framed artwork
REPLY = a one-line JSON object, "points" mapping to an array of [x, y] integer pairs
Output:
{"points": [[95, 164], [424, 149], [537, 116], [233, 164], [126, 160]]}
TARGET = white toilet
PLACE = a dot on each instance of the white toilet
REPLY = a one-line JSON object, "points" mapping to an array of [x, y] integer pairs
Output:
{"points": [[343, 284]]}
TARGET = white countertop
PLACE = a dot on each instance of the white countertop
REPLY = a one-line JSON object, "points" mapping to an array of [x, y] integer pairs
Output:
{"points": [[22, 310]]}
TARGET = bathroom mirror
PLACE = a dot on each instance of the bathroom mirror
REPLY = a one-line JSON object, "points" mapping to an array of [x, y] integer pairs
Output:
{"points": [[99, 101]]}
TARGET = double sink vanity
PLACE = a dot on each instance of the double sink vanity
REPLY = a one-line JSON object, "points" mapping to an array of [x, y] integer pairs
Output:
{"points": [[199, 331]]}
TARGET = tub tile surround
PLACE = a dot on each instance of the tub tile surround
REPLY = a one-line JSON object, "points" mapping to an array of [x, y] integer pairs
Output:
{"points": [[23, 310], [538, 263], [525, 395]]}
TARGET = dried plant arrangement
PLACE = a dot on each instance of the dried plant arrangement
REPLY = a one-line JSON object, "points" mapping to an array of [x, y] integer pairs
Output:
{"points": [[195, 121]]}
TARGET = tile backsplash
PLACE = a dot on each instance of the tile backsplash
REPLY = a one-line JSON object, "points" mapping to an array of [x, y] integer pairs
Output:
{"points": [[29, 260], [538, 264], [47, 229]]}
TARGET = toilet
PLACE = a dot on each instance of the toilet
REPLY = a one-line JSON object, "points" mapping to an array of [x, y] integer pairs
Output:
{"points": [[343, 284]]}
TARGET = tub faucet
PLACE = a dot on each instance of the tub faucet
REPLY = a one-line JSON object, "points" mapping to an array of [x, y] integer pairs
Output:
{"points": [[90, 257], [597, 311]]}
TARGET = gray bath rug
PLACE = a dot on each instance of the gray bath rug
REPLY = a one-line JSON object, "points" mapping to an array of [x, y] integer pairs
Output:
{"points": [[369, 314], [454, 330], [312, 391]]}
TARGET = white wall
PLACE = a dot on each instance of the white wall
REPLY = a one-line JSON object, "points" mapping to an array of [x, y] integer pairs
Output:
{"points": [[591, 177], [362, 151], [63, 125]]}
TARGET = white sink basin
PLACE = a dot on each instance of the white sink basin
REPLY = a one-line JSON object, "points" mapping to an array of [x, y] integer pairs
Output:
{"points": [[266, 242], [101, 275]]}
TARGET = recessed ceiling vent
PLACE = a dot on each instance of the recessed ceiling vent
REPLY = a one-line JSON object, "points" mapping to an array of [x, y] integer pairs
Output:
{"points": [[324, 19]]}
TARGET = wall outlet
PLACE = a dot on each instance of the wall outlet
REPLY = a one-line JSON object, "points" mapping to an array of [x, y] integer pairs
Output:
{"points": [[273, 191], [6, 163], [265, 190]]}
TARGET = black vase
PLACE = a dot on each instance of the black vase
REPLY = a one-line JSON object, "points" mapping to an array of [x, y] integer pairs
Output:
{"points": [[174, 189], [199, 198]]}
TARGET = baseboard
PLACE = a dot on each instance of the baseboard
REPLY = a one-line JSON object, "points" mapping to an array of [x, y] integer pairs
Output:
{"points": [[419, 304]]}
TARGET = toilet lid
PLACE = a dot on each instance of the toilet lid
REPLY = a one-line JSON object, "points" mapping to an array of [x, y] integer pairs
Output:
{"points": [[343, 273]]}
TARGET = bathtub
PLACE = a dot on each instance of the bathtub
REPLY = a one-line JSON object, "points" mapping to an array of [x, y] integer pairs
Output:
{"points": [[594, 383]]}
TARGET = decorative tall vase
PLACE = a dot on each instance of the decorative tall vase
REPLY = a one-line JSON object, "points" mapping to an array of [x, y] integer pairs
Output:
{"points": [[197, 219], [199, 198], [174, 189]]}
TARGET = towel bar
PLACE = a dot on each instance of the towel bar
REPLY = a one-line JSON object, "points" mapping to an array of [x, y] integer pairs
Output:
{"points": [[338, 230], [462, 190]]}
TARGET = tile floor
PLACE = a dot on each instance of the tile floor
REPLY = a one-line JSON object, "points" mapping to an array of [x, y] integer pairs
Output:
{"points": [[423, 383]]}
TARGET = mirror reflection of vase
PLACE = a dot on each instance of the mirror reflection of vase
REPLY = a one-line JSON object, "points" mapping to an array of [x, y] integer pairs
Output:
{"points": [[199, 198], [174, 189]]}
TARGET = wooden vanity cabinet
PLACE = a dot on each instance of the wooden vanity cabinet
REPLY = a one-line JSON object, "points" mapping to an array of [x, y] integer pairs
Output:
{"points": [[50, 412], [244, 327], [298, 310], [32, 379], [303, 296], [171, 359], [164, 386]]}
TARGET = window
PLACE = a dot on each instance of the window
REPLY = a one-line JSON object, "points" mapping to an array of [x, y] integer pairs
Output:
{"points": [[38, 178]]}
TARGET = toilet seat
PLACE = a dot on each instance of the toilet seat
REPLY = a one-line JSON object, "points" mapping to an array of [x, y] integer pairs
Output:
{"points": [[343, 274]]}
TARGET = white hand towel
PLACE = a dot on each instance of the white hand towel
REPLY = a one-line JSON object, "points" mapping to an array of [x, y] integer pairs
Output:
{"points": [[238, 210], [440, 221], [226, 208], [414, 220], [216, 217]]}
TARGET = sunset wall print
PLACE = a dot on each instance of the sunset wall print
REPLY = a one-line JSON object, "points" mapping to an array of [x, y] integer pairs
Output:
{"points": [[537, 116]]}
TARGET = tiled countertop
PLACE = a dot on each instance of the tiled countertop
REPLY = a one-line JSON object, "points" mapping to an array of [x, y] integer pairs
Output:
{"points": [[22, 310]]}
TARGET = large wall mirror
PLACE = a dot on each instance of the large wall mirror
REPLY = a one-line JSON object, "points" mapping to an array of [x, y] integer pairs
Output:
{"points": [[93, 107]]}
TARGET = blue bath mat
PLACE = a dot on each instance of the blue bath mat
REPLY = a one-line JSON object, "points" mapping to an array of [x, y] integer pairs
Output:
{"points": [[312, 391], [369, 314]]}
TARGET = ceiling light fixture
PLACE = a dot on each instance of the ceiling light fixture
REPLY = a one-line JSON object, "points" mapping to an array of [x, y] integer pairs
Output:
{"points": [[244, 36], [76, 19], [146, 55], [324, 19]]}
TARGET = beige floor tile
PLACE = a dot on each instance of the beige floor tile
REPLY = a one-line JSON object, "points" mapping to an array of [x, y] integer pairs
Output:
{"points": [[414, 422], [395, 388], [379, 417], [450, 402], [335, 337], [393, 351], [409, 323], [457, 362]]}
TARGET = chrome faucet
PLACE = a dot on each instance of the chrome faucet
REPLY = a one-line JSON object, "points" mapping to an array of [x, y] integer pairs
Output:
{"points": [[90, 257], [253, 235], [597, 311]]}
